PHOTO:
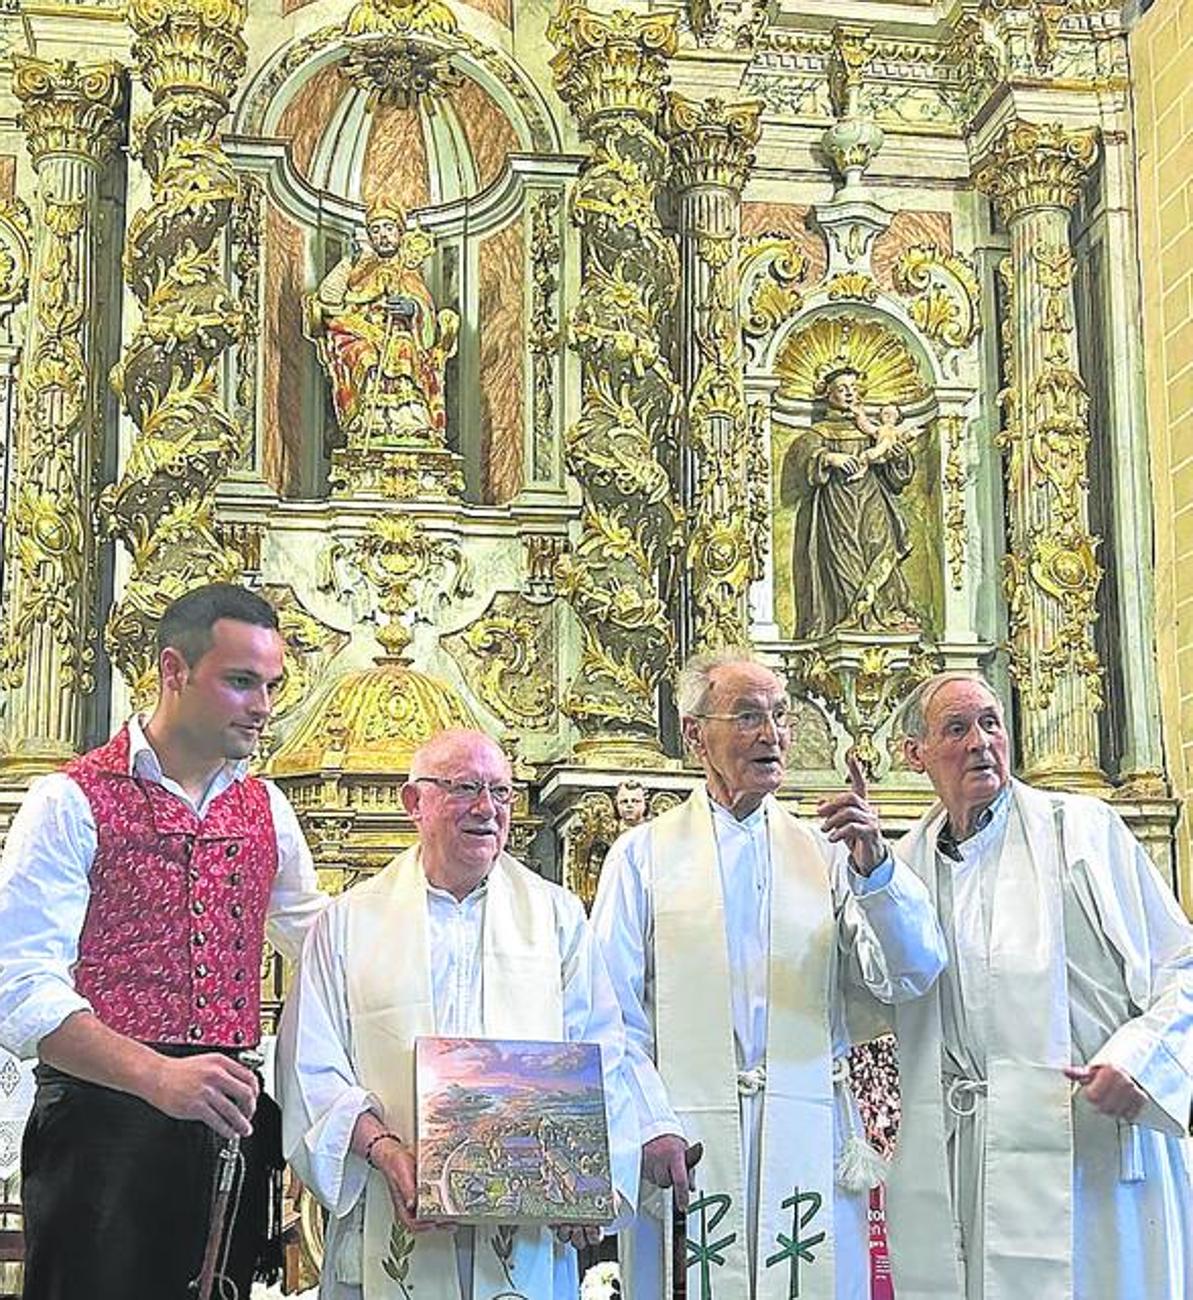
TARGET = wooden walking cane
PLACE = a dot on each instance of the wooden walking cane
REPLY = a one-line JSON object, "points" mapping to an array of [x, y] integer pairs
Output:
{"points": [[229, 1178], [679, 1232]]}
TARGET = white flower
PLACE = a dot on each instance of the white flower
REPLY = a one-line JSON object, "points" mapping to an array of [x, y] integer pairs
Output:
{"points": [[601, 1282]]}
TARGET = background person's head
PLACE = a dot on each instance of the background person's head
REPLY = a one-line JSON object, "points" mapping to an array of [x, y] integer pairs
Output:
{"points": [[220, 658], [955, 733], [734, 716], [459, 795], [630, 802]]}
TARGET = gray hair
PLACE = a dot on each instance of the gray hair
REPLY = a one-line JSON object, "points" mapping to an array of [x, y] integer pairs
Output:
{"points": [[694, 684], [913, 716]]}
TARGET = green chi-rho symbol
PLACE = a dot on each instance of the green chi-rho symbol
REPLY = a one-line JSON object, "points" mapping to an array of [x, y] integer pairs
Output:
{"points": [[797, 1247], [708, 1250]]}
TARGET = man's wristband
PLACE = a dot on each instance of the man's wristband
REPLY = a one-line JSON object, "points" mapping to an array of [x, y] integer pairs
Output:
{"points": [[372, 1142]]}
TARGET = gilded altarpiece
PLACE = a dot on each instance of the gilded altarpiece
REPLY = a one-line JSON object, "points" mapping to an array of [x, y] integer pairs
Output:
{"points": [[520, 350]]}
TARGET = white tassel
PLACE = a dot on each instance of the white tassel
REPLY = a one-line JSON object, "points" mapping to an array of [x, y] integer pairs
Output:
{"points": [[860, 1166]]}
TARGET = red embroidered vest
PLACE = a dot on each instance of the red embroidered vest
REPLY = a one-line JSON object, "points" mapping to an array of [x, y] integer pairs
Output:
{"points": [[171, 945]]}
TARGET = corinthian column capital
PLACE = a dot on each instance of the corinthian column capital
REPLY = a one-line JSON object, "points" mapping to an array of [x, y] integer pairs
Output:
{"points": [[1035, 165], [712, 141], [68, 108], [611, 63]]}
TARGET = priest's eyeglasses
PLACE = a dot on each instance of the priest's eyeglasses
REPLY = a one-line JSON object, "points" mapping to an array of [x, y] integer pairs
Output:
{"points": [[469, 791], [751, 721]]}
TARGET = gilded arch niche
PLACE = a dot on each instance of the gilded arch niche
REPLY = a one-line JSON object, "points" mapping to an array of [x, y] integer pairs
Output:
{"points": [[438, 123]]}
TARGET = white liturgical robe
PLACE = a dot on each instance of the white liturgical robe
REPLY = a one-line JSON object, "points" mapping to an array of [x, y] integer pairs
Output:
{"points": [[881, 937], [322, 1093], [1065, 945]]}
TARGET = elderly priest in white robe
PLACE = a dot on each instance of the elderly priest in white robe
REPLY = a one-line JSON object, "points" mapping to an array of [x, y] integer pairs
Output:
{"points": [[1046, 1077], [732, 932], [453, 938]]}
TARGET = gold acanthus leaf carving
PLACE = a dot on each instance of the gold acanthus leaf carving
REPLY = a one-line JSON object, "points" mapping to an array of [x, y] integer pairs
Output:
{"points": [[852, 284], [508, 655], [945, 294], [773, 268]]}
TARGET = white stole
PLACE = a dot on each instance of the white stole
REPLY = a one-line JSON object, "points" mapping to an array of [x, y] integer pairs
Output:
{"points": [[390, 1003], [698, 1062], [1029, 1125]]}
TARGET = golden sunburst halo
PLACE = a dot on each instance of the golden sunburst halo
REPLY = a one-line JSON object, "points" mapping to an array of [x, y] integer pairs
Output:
{"points": [[830, 344]]}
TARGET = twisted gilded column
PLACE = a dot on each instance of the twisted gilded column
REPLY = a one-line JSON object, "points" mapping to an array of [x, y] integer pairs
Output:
{"points": [[610, 69], [71, 116], [1034, 174], [712, 150], [190, 55]]}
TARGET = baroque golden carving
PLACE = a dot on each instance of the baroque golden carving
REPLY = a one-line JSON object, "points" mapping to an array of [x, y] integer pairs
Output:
{"points": [[952, 429], [610, 70], [16, 257], [67, 108], [773, 268], [509, 657], [544, 336], [829, 342], [847, 285], [712, 148], [399, 558], [944, 292], [1033, 165], [190, 54], [70, 113], [247, 223], [861, 683]]}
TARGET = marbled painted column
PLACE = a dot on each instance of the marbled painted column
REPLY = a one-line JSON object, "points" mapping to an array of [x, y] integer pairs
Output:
{"points": [[712, 150], [610, 69], [71, 116], [1034, 175]]}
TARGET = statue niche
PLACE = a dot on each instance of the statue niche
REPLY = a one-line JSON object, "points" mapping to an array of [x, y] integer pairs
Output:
{"points": [[844, 477], [384, 344]]}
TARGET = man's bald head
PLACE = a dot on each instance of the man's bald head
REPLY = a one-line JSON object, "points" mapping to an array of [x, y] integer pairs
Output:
{"points": [[446, 747]]}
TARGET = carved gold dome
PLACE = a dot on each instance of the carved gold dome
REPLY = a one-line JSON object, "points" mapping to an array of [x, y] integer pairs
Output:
{"points": [[371, 721]]}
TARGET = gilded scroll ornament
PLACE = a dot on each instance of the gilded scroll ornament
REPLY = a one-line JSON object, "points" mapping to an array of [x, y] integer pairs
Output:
{"points": [[846, 285], [945, 297], [610, 69], [16, 257], [773, 268], [862, 684], [509, 655], [396, 17], [190, 54], [399, 559]]}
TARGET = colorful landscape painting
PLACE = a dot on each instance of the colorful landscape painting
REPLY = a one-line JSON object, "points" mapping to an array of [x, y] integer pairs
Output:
{"points": [[512, 1132]]}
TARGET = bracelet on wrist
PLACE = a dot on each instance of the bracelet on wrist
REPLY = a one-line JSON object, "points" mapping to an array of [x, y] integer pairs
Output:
{"points": [[372, 1142]]}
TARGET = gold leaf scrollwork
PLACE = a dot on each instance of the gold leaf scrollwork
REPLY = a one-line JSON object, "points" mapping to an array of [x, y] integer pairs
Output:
{"points": [[544, 335], [773, 268], [399, 558], [944, 292], [952, 429], [191, 54], [592, 827], [509, 656], [16, 255], [610, 69]]}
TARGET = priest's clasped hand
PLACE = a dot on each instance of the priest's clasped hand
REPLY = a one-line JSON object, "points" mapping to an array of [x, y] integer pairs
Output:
{"points": [[850, 818], [395, 1162], [667, 1161], [1108, 1090]]}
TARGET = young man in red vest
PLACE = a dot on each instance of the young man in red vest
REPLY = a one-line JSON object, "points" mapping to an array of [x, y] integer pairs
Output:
{"points": [[136, 888]]}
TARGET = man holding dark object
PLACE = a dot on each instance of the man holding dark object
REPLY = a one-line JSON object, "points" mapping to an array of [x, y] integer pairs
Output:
{"points": [[136, 887]]}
